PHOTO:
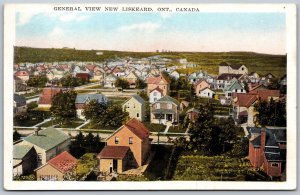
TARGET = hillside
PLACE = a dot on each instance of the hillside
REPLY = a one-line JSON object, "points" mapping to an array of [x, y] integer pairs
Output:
{"points": [[261, 63]]}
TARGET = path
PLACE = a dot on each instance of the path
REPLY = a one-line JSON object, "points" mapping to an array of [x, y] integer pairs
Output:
{"points": [[86, 122], [46, 120], [167, 128]]}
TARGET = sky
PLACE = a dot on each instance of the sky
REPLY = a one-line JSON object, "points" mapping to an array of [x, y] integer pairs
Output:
{"points": [[123, 31]]}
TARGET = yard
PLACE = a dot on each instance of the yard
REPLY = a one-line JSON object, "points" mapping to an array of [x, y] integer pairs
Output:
{"points": [[69, 124], [215, 168], [155, 127], [177, 129], [86, 163], [96, 126], [118, 100]]}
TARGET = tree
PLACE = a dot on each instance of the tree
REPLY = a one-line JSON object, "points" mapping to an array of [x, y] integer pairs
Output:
{"points": [[271, 113], [69, 81], [63, 106], [89, 142], [202, 128], [115, 116], [37, 81], [122, 83], [140, 84], [144, 95], [16, 136], [94, 110]]}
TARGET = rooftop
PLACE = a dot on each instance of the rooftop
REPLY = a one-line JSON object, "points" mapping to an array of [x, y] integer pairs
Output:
{"points": [[114, 152], [47, 138]]}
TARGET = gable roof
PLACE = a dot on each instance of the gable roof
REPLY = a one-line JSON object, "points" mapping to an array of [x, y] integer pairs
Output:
{"points": [[167, 98], [245, 100], [234, 85], [265, 94], [114, 152], [157, 80], [138, 128], [63, 162], [47, 138], [82, 98], [22, 73], [19, 98], [157, 89], [47, 94], [138, 98], [20, 151], [200, 81]]}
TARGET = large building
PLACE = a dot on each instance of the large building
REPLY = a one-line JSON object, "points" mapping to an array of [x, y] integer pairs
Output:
{"points": [[225, 68], [136, 107]]}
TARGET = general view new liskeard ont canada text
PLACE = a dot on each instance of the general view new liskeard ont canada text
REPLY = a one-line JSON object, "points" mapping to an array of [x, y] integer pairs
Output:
{"points": [[150, 97]]}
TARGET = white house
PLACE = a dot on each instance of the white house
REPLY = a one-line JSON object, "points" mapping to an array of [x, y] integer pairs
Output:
{"points": [[110, 81], [155, 95], [207, 92]]}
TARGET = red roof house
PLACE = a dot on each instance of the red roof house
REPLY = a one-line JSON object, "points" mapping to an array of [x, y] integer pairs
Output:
{"points": [[62, 167], [45, 99]]}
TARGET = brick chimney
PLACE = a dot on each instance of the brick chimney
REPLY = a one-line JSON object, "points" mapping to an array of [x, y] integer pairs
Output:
{"points": [[263, 139]]}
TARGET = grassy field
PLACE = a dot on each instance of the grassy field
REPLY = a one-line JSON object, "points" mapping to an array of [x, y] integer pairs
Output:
{"points": [[95, 126], [72, 124], [209, 61], [176, 129], [118, 100], [155, 127], [216, 168], [85, 163]]}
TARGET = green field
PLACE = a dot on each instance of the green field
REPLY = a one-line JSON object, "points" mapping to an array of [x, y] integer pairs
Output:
{"points": [[216, 168], [155, 127], [209, 61]]}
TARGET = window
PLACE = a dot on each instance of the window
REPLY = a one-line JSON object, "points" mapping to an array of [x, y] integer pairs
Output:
{"points": [[242, 68], [137, 115], [158, 106], [236, 90], [155, 99], [155, 93], [133, 105], [40, 157], [116, 140], [229, 94], [275, 165], [130, 140], [242, 90]]}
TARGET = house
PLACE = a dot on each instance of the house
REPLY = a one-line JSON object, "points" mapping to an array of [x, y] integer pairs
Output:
{"points": [[160, 81], [283, 80], [267, 150], [243, 104], [183, 105], [206, 93], [267, 78], [256, 86], [60, 168], [19, 85], [225, 68], [83, 99], [23, 75], [129, 146], [192, 114], [20, 105], [85, 77], [131, 78], [48, 143], [175, 74], [155, 94], [234, 87], [109, 81], [224, 80], [136, 107], [24, 160], [165, 110], [45, 99], [200, 85], [254, 77]]}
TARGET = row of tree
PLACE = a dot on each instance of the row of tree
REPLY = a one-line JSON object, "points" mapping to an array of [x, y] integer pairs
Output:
{"points": [[124, 84], [66, 81], [103, 115]]}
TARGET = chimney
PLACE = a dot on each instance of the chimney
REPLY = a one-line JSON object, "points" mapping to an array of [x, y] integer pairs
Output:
{"points": [[263, 138], [36, 131]]}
